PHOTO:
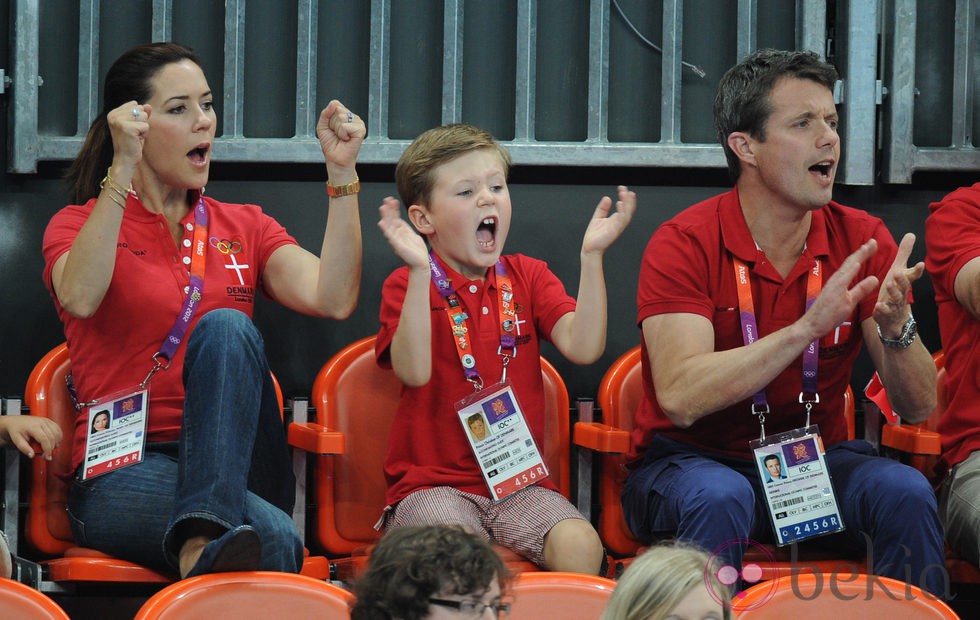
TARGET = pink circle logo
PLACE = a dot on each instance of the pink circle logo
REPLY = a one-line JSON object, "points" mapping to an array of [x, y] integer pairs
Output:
{"points": [[751, 573]]}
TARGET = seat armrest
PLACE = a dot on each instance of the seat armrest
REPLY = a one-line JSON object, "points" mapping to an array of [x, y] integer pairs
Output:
{"points": [[601, 438], [911, 439], [315, 438]]}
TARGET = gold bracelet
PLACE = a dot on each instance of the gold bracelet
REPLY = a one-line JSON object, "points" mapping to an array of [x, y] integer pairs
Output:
{"points": [[113, 198], [114, 191], [115, 188], [113, 185], [336, 191]]}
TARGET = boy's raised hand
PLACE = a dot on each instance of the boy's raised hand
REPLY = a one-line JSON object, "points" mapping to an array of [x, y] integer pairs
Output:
{"points": [[407, 244], [606, 227]]}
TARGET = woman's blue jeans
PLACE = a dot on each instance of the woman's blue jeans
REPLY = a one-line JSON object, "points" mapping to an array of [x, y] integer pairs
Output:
{"points": [[230, 467]]}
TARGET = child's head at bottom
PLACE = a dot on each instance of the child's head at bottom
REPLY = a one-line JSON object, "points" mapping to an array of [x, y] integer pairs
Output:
{"points": [[412, 566]]}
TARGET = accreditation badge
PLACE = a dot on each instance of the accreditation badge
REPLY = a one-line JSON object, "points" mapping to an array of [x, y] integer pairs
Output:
{"points": [[116, 434], [796, 481], [501, 440]]}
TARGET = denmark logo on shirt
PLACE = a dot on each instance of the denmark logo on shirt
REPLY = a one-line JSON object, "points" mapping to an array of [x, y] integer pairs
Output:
{"points": [[231, 249]]}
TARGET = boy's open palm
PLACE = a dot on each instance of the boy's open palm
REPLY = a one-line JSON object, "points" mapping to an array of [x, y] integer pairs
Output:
{"points": [[606, 226], [407, 244]]}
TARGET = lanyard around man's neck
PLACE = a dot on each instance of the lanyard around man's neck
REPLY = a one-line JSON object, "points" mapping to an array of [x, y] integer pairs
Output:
{"points": [[750, 333]]}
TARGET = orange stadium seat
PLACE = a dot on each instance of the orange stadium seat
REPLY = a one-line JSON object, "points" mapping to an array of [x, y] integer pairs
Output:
{"points": [[357, 399], [559, 595], [917, 444], [815, 595], [258, 595], [25, 603]]}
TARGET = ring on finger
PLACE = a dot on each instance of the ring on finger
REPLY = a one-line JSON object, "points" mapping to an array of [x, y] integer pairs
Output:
{"points": [[350, 116], [135, 112]]}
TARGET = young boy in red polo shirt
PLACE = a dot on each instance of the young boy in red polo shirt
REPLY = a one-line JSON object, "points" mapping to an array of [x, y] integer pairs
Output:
{"points": [[461, 326]]}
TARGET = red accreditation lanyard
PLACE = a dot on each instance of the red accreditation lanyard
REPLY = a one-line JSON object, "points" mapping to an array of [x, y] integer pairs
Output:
{"points": [[750, 333], [457, 318]]}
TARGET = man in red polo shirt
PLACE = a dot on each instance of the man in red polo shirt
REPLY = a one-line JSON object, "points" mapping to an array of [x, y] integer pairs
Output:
{"points": [[753, 306], [953, 260]]}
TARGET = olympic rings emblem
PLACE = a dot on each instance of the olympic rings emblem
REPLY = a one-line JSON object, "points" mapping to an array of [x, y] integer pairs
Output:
{"points": [[225, 246]]}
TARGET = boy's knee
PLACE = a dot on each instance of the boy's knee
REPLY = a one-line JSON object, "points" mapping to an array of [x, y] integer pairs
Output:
{"points": [[573, 545]]}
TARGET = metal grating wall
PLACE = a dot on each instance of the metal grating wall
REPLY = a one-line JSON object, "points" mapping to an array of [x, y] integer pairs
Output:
{"points": [[931, 119], [559, 82]]}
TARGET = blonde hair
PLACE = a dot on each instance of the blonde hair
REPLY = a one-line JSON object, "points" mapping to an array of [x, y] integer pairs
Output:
{"points": [[415, 172], [659, 579]]}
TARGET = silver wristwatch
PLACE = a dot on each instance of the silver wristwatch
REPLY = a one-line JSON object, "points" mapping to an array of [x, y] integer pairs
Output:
{"points": [[906, 338]]}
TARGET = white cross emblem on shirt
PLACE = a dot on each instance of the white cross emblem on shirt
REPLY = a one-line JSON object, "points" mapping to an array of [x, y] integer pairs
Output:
{"points": [[837, 331], [238, 269]]}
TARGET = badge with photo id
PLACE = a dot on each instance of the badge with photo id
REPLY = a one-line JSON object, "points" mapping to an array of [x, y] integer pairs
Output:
{"points": [[116, 435], [501, 440], [799, 491]]}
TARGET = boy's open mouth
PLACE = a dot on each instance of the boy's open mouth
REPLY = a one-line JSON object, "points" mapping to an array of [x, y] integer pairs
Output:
{"points": [[486, 231]]}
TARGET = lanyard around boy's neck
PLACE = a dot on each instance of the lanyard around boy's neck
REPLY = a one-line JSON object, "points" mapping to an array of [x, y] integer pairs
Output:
{"points": [[457, 318], [750, 333], [161, 359]]}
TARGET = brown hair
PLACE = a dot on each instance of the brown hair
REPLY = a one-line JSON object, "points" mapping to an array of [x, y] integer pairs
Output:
{"points": [[128, 79], [742, 101], [414, 173], [412, 564]]}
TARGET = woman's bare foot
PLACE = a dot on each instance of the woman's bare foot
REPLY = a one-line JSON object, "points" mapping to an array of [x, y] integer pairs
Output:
{"points": [[190, 552]]}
